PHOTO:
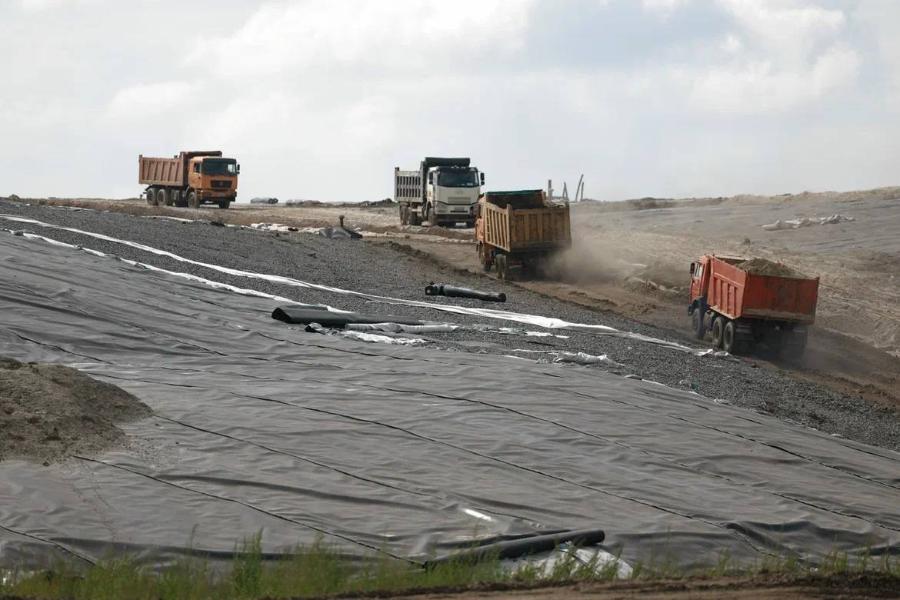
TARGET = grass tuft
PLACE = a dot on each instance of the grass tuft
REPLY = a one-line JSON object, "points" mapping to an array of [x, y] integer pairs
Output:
{"points": [[320, 570]]}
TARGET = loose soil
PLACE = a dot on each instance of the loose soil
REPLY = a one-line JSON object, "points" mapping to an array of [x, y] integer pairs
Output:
{"points": [[49, 412], [762, 266], [790, 588]]}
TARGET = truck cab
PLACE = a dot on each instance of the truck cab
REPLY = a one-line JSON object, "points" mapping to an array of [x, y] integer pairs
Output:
{"points": [[213, 179], [451, 194], [699, 284]]}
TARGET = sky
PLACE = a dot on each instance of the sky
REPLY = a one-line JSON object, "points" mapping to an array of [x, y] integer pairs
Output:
{"points": [[321, 99]]}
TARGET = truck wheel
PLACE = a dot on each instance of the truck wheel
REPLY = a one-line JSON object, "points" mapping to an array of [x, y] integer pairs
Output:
{"points": [[162, 197], [192, 200], [151, 196], [223, 204], [730, 342], [718, 332], [484, 256], [502, 267], [697, 324]]}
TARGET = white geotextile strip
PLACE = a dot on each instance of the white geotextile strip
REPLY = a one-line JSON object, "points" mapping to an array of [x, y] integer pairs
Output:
{"points": [[536, 320]]}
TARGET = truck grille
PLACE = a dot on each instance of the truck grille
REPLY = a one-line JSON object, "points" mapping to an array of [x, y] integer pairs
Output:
{"points": [[221, 184]]}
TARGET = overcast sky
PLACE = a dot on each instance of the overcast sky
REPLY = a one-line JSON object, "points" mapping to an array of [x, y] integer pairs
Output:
{"points": [[320, 99]]}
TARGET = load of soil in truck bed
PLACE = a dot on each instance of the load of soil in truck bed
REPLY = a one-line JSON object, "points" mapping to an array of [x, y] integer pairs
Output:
{"points": [[762, 266], [49, 412]]}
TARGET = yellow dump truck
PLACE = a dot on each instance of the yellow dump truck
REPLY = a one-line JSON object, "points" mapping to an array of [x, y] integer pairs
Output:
{"points": [[189, 179], [516, 231]]}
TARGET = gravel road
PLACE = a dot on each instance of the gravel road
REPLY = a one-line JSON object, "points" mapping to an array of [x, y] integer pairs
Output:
{"points": [[378, 269]]}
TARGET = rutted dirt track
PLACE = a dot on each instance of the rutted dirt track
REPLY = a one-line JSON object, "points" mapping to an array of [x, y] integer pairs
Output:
{"points": [[632, 291]]}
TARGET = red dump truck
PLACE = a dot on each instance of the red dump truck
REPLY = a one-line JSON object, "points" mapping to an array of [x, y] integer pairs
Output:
{"points": [[742, 303], [515, 231], [190, 179]]}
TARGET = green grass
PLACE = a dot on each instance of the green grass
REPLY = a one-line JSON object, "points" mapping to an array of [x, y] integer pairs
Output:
{"points": [[320, 570]]}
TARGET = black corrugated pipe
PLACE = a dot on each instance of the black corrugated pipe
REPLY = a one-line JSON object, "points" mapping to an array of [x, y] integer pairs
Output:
{"points": [[524, 547], [451, 291]]}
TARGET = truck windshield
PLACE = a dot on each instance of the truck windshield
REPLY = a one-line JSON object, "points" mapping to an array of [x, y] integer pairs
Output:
{"points": [[219, 166], [457, 178]]}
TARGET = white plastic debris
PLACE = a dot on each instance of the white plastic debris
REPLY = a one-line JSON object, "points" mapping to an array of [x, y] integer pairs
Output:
{"points": [[807, 222], [398, 328], [548, 564]]}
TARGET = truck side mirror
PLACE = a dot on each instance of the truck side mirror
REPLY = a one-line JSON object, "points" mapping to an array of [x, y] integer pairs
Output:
{"points": [[238, 169], [482, 178], [693, 268], [431, 178]]}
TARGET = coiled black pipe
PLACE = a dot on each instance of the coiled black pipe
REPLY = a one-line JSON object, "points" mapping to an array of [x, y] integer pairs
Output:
{"points": [[451, 291]]}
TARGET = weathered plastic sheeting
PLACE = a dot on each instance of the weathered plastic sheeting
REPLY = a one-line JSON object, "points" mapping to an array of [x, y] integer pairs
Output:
{"points": [[379, 448]]}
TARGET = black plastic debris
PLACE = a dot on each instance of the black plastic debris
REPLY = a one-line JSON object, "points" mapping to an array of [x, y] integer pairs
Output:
{"points": [[451, 291], [304, 315]]}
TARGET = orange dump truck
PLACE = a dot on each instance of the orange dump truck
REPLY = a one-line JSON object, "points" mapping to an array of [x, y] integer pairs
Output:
{"points": [[516, 231], [747, 302], [190, 179]]}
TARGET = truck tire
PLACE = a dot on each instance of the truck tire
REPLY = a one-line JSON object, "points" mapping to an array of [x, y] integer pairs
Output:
{"points": [[223, 204], [502, 266], [484, 256], [151, 196], [697, 324], [192, 200], [731, 342], [404, 215], [162, 197], [718, 332]]}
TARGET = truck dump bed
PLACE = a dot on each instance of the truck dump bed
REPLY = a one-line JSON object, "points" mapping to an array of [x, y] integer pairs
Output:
{"points": [[736, 292], [170, 172], [523, 221]]}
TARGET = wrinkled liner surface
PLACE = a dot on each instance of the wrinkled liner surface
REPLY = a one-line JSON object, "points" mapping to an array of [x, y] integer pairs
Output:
{"points": [[414, 452]]}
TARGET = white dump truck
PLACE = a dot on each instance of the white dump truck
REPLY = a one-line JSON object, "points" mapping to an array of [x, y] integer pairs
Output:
{"points": [[444, 191]]}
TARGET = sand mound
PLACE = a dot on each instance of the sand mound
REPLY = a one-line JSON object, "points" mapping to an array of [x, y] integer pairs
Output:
{"points": [[49, 412], [762, 266]]}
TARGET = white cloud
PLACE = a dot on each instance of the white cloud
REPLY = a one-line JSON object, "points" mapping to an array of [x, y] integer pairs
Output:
{"points": [[787, 54], [762, 87], [150, 99], [398, 36], [663, 7], [322, 99]]}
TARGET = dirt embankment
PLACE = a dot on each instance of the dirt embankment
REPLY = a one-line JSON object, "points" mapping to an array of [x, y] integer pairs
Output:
{"points": [[49, 412]]}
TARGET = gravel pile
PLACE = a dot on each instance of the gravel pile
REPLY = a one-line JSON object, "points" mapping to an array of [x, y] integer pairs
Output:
{"points": [[378, 269]]}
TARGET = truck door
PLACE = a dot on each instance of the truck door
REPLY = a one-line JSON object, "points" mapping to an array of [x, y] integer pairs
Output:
{"points": [[697, 272]]}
